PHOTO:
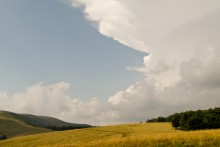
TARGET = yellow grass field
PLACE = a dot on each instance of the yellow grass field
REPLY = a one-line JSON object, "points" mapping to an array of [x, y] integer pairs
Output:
{"points": [[128, 135]]}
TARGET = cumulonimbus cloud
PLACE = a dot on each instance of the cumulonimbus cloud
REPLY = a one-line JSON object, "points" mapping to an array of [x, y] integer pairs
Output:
{"points": [[199, 87], [182, 39], [169, 31], [181, 71]]}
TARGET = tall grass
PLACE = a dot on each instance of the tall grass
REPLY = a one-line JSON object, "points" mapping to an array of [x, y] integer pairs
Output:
{"points": [[197, 138], [129, 135]]}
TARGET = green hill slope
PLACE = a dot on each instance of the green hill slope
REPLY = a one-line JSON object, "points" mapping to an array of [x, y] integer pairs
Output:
{"points": [[147, 134], [13, 124], [44, 121], [12, 127], [39, 121]]}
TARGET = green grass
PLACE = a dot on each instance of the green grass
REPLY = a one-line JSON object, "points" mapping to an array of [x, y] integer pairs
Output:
{"points": [[146, 134], [38, 121], [11, 127], [13, 124]]}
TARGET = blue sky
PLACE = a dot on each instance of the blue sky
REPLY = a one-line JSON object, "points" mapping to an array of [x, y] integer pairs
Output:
{"points": [[49, 41], [109, 62]]}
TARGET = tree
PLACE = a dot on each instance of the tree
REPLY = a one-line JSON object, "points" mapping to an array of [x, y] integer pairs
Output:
{"points": [[161, 119], [176, 120], [196, 121]]}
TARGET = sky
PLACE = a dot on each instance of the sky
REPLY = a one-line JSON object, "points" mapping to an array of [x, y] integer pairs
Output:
{"points": [[109, 62]]}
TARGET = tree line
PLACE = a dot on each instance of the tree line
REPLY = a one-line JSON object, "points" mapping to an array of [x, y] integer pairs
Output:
{"points": [[193, 120], [160, 119], [56, 128]]}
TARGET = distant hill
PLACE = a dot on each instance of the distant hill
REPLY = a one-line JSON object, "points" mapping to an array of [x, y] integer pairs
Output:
{"points": [[12, 127], [13, 124]]}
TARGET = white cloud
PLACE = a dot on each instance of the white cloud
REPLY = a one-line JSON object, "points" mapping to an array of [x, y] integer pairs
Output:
{"points": [[113, 20], [198, 88], [171, 29], [144, 23], [51, 100], [181, 72], [182, 37]]}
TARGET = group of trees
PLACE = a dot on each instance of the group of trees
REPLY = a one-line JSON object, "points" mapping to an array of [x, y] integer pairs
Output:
{"points": [[56, 128], [200, 119], [3, 137], [193, 120], [159, 119]]}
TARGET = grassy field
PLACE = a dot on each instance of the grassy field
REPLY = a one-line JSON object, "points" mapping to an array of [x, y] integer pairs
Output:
{"points": [[12, 127], [146, 134], [14, 124]]}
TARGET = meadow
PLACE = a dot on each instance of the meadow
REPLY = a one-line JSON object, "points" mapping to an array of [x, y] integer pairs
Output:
{"points": [[12, 127], [129, 135]]}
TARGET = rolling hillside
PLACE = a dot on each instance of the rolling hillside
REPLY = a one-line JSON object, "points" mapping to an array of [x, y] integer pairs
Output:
{"points": [[11, 127], [13, 124], [146, 134]]}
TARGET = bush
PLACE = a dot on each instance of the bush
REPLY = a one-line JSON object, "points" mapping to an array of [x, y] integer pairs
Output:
{"points": [[3, 137]]}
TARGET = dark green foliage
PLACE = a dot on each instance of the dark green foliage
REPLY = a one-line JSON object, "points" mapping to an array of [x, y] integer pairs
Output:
{"points": [[159, 119], [184, 118], [194, 120], [56, 128], [176, 120]]}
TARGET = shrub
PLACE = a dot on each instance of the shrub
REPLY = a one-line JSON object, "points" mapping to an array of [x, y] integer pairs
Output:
{"points": [[3, 137]]}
